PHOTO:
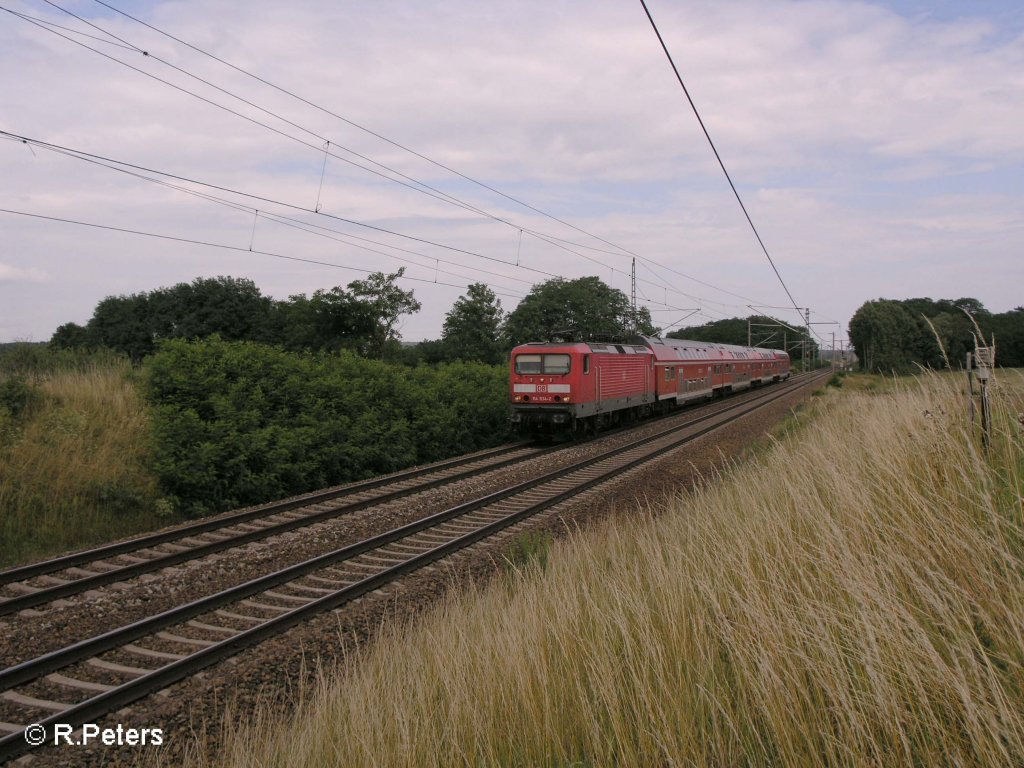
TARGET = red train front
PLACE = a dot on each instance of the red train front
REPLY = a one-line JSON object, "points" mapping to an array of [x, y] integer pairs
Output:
{"points": [[577, 388]]}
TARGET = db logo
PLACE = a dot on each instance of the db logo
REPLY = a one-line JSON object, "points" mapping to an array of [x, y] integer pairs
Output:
{"points": [[542, 387]]}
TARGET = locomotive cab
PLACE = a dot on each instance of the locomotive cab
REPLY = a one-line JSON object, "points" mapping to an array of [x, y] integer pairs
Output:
{"points": [[543, 381], [576, 388]]}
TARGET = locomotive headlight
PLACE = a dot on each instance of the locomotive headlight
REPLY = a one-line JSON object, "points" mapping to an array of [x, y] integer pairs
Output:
{"points": [[565, 399], [517, 398]]}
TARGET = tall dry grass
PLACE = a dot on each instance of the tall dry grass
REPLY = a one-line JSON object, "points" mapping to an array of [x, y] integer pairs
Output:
{"points": [[72, 464], [854, 597]]}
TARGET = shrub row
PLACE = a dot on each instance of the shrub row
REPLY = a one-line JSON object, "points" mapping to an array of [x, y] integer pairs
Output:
{"points": [[239, 423]]}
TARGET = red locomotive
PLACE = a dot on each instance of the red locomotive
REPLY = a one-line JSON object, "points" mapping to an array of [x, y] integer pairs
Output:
{"points": [[580, 388]]}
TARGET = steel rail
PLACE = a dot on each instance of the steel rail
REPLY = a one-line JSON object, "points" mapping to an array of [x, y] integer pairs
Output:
{"points": [[47, 594], [14, 744], [28, 670], [22, 572], [43, 595]]}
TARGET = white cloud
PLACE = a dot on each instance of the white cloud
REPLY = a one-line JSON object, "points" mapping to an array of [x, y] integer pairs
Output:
{"points": [[848, 128], [12, 274]]}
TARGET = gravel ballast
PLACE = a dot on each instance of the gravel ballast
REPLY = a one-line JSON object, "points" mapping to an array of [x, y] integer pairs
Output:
{"points": [[272, 673]]}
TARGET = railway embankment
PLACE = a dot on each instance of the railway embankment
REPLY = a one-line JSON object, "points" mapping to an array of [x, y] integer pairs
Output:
{"points": [[273, 669], [852, 594]]}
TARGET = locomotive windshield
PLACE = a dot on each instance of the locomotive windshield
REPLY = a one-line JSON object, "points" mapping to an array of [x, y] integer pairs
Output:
{"points": [[550, 364]]}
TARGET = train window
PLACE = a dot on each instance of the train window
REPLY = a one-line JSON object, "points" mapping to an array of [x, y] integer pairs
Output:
{"points": [[531, 364], [528, 364], [556, 363], [586, 363]]}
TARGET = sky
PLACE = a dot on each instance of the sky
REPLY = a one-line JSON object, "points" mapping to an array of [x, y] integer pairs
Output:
{"points": [[877, 147]]}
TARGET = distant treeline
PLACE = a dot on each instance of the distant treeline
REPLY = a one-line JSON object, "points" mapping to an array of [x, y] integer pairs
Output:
{"points": [[890, 335], [362, 318], [756, 330]]}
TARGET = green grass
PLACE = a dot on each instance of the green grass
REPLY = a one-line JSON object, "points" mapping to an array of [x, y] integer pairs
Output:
{"points": [[73, 448], [854, 597], [528, 550]]}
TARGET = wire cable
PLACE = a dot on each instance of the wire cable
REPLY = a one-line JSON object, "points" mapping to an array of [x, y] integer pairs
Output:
{"points": [[90, 156], [717, 156], [223, 246], [620, 250], [112, 164], [420, 186]]}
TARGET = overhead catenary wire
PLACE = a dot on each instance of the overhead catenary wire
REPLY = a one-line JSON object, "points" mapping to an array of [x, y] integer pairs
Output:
{"points": [[415, 186], [80, 33], [444, 197], [301, 225], [223, 246], [112, 164], [233, 248], [262, 198], [550, 239], [412, 183], [718, 157], [362, 128], [282, 219], [277, 218]]}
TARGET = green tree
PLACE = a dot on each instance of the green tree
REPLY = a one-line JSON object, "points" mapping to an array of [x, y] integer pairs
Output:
{"points": [[70, 336], [585, 307], [124, 323], [239, 423], [385, 303], [472, 328], [231, 307], [943, 330], [330, 320], [886, 336], [897, 336], [234, 308], [1008, 329], [952, 330]]}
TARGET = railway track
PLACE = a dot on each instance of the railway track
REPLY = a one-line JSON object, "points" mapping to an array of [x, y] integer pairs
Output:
{"points": [[105, 673], [37, 584], [78, 572]]}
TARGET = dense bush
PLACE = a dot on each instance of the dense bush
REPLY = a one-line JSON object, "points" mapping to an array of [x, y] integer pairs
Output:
{"points": [[17, 396], [239, 423]]}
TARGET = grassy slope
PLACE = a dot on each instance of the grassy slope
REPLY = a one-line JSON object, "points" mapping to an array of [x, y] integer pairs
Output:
{"points": [[852, 598], [72, 466]]}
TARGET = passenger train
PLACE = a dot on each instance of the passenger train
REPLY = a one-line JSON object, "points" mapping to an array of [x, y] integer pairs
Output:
{"points": [[580, 388]]}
